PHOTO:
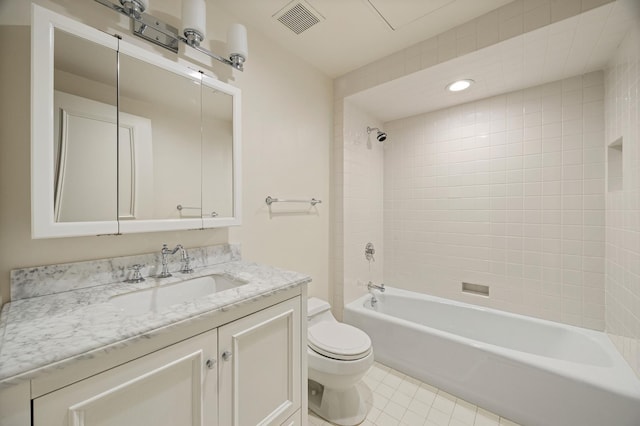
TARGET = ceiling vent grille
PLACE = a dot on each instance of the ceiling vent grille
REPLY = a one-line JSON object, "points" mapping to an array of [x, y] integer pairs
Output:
{"points": [[298, 16]]}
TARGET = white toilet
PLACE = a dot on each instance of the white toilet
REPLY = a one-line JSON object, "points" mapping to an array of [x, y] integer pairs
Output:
{"points": [[339, 356]]}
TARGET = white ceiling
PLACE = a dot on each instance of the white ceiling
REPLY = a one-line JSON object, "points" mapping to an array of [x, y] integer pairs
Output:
{"points": [[357, 32], [567, 48]]}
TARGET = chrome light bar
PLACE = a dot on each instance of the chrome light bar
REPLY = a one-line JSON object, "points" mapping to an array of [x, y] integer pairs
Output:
{"points": [[165, 35]]}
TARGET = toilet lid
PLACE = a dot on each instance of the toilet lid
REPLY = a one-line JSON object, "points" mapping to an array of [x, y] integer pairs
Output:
{"points": [[339, 341]]}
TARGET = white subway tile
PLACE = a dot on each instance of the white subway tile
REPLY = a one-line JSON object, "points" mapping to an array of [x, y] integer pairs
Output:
{"points": [[551, 171], [572, 202], [572, 157], [573, 171], [572, 111], [572, 83], [594, 155], [593, 93], [571, 142], [487, 29], [538, 16], [572, 126], [551, 188], [594, 233]]}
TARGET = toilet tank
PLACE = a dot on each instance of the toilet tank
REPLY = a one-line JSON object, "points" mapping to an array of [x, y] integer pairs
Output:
{"points": [[318, 310]]}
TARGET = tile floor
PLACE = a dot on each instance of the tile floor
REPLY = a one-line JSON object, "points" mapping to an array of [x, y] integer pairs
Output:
{"points": [[397, 399]]}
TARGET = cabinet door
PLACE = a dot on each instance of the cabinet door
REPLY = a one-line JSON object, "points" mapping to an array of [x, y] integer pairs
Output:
{"points": [[173, 386], [260, 366], [294, 420]]}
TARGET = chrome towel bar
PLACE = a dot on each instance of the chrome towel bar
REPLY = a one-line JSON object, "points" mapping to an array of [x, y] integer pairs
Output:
{"points": [[270, 200], [180, 207]]}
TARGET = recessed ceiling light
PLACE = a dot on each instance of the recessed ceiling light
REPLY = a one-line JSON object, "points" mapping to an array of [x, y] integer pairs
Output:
{"points": [[459, 85]]}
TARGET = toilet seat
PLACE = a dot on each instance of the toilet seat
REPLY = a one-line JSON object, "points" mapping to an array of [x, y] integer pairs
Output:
{"points": [[339, 341]]}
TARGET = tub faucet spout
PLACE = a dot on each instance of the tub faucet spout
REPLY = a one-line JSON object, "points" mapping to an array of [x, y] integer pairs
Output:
{"points": [[372, 286]]}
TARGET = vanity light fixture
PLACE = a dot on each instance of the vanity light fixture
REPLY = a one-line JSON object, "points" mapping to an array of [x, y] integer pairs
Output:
{"points": [[459, 85], [193, 23]]}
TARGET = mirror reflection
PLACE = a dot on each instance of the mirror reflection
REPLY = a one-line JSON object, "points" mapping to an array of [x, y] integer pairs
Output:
{"points": [[217, 153], [85, 140], [164, 155]]}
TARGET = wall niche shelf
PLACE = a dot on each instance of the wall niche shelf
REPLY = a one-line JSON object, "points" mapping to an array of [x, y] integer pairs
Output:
{"points": [[614, 166]]}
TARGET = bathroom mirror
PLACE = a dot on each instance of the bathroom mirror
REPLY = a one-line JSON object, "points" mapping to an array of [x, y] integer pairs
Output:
{"points": [[217, 152], [124, 140], [85, 126], [167, 96]]}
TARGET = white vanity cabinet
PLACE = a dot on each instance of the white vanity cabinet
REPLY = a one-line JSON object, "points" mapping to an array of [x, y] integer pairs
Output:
{"points": [[244, 373], [169, 387], [260, 373]]}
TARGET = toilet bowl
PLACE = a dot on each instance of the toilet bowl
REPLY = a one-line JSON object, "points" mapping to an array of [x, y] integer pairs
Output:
{"points": [[338, 355]]}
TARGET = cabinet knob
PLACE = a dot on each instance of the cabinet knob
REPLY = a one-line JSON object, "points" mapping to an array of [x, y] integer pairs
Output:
{"points": [[226, 355], [210, 363]]}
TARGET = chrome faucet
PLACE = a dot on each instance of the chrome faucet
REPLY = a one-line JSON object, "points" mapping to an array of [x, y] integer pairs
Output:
{"points": [[137, 274], [371, 286], [186, 261], [369, 251], [165, 266]]}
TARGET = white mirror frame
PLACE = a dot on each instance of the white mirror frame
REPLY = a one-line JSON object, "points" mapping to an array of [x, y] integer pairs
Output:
{"points": [[43, 224]]}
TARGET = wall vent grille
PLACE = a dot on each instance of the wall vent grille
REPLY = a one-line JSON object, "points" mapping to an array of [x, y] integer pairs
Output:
{"points": [[298, 16]]}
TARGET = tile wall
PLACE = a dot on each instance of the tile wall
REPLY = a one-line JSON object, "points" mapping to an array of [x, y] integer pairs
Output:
{"points": [[622, 81], [510, 20], [363, 202], [506, 192]]}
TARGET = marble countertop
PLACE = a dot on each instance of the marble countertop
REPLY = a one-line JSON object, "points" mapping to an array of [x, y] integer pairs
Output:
{"points": [[51, 331]]}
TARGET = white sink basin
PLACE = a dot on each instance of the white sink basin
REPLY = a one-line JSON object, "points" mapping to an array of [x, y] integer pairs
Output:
{"points": [[156, 298]]}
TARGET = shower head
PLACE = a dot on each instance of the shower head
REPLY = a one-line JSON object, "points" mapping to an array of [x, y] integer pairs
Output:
{"points": [[381, 136]]}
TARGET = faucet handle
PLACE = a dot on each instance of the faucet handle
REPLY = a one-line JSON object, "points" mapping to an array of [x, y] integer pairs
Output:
{"points": [[186, 265], [137, 275], [369, 251]]}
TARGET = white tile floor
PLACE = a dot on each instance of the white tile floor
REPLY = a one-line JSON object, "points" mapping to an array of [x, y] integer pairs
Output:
{"points": [[397, 399]]}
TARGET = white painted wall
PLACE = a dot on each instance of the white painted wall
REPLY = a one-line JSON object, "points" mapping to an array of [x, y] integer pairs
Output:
{"points": [[287, 131], [622, 103]]}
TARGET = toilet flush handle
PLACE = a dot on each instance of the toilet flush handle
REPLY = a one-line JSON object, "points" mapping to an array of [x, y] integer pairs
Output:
{"points": [[226, 355]]}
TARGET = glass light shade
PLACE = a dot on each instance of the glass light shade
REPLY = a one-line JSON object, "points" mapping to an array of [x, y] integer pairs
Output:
{"points": [[194, 16], [237, 41]]}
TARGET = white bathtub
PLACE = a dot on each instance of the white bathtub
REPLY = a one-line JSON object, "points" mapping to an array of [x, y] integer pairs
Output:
{"points": [[532, 371]]}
